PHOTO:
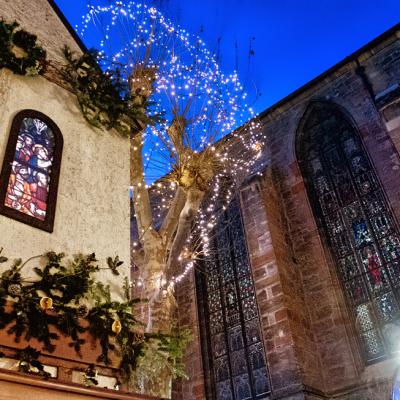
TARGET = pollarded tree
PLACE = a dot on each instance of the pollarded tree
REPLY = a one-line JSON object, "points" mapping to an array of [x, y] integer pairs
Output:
{"points": [[179, 149]]}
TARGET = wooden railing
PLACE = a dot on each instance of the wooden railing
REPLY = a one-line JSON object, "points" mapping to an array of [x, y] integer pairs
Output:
{"points": [[65, 364], [17, 386]]}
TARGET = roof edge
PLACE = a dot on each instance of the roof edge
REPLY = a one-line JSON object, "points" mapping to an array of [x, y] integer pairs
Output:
{"points": [[69, 27], [352, 57]]}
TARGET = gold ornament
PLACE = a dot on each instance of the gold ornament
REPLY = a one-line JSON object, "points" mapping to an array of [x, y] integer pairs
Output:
{"points": [[46, 303], [116, 327]]}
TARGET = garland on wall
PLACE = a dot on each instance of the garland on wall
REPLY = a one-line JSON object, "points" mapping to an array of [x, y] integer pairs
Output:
{"points": [[20, 51], [65, 300], [104, 98]]}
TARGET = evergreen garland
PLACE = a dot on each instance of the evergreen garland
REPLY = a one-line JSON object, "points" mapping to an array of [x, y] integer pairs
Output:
{"points": [[19, 50], [51, 305], [104, 97]]}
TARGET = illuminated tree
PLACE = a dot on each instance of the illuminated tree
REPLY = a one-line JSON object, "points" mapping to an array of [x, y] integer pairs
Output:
{"points": [[180, 155]]}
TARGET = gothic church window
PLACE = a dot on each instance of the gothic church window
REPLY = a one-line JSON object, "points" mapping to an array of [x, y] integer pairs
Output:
{"points": [[351, 209], [29, 177], [234, 358]]}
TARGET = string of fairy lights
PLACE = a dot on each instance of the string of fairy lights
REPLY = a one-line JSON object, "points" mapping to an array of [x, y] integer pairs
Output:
{"points": [[189, 82]]}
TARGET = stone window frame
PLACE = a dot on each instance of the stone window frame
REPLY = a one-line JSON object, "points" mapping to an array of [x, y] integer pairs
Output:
{"points": [[321, 225], [48, 223]]}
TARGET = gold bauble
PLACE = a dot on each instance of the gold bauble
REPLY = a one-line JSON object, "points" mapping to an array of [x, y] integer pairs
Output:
{"points": [[116, 327], [46, 303]]}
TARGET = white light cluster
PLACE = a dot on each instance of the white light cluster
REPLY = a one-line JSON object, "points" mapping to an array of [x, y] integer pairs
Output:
{"points": [[188, 82]]}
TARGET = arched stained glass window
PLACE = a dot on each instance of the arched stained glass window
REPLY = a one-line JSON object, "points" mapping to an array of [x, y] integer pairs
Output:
{"points": [[351, 209], [233, 353], [29, 177]]}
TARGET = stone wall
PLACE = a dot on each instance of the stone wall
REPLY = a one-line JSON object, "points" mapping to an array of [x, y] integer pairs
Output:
{"points": [[193, 387], [324, 343], [38, 17], [92, 212], [311, 348]]}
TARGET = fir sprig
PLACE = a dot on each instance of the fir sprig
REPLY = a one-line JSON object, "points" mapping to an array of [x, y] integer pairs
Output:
{"points": [[104, 97], [65, 285], [19, 50]]}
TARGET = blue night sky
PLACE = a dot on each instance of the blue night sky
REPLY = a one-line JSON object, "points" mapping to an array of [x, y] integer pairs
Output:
{"points": [[294, 40]]}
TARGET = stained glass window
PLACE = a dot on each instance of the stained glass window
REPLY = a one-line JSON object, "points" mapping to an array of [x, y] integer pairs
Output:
{"points": [[351, 209], [30, 170], [235, 365]]}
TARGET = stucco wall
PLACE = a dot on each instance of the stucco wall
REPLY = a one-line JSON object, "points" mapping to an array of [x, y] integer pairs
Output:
{"points": [[39, 18], [92, 213]]}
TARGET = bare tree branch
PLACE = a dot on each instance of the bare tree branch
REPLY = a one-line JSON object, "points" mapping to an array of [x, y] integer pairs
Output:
{"points": [[141, 198], [171, 220], [186, 218]]}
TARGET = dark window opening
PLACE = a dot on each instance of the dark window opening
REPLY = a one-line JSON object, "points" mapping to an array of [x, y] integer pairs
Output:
{"points": [[233, 353]]}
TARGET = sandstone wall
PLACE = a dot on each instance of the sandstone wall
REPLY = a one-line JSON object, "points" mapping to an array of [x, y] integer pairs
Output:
{"points": [[311, 349]]}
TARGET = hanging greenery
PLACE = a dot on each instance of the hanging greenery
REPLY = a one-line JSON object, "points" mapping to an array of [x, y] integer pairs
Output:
{"points": [[105, 98], [55, 303], [159, 356], [19, 50]]}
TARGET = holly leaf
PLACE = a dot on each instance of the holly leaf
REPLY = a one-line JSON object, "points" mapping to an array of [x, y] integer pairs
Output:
{"points": [[113, 264]]}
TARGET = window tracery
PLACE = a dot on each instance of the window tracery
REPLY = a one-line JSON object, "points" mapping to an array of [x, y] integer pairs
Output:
{"points": [[235, 363]]}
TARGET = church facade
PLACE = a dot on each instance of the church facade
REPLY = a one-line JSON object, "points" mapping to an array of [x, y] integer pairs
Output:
{"points": [[323, 246]]}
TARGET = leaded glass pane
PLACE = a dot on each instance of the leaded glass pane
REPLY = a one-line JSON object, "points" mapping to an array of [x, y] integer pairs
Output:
{"points": [[349, 267], [372, 344], [232, 330], [235, 337], [242, 387], [365, 183], [387, 307], [356, 292], [364, 318], [231, 300], [370, 258], [216, 322], [338, 234], [219, 344], [390, 248], [257, 356], [378, 281], [246, 287], [238, 362], [352, 210], [212, 281], [227, 267], [358, 164], [221, 369], [224, 391], [394, 272], [242, 267], [28, 183], [249, 308], [214, 301], [260, 380], [253, 331], [328, 203]]}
